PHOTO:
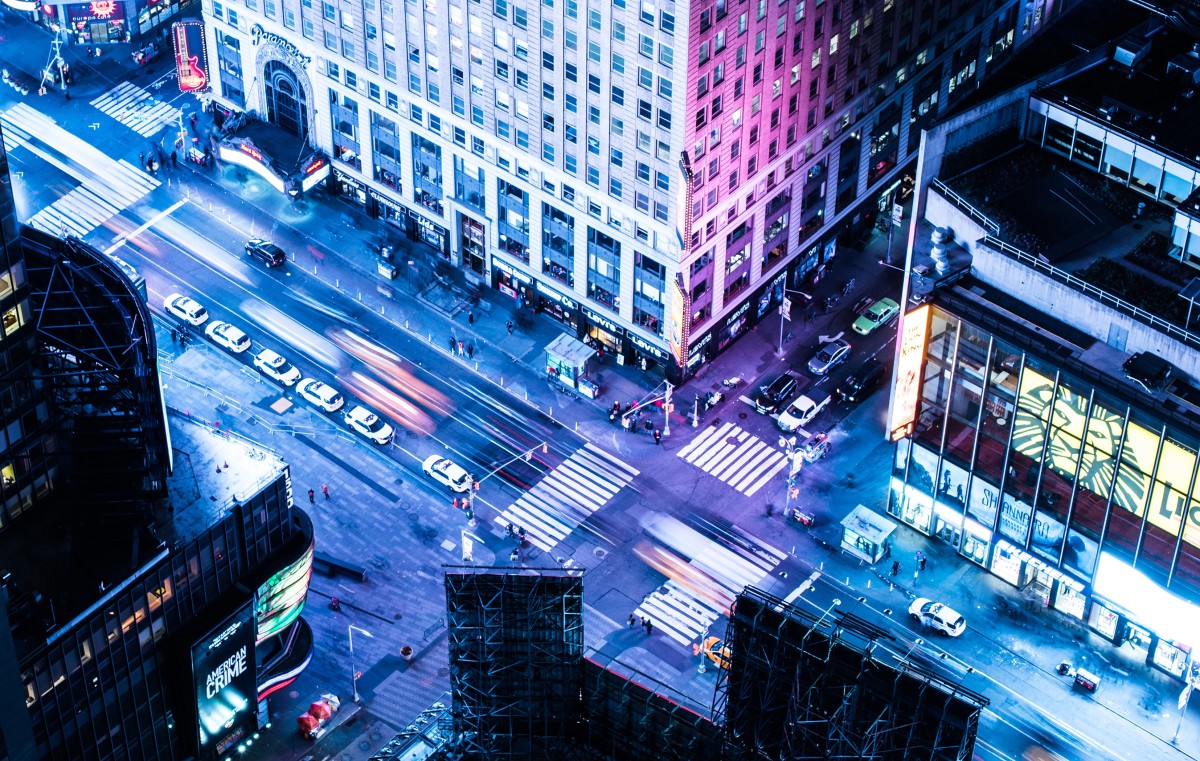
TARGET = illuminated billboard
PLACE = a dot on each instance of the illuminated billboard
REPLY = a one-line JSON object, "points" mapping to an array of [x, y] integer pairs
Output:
{"points": [[191, 57], [223, 670], [912, 338], [281, 598], [678, 310]]}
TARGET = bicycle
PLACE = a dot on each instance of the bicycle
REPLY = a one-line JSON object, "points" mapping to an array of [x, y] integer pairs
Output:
{"points": [[849, 287]]}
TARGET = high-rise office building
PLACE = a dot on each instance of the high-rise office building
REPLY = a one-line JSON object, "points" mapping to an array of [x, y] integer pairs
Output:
{"points": [[652, 174], [143, 615]]}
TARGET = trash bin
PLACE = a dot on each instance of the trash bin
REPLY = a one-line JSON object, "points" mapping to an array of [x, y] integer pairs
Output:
{"points": [[1086, 680], [386, 269]]}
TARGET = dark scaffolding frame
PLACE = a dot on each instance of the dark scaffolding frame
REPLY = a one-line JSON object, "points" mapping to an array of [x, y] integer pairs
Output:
{"points": [[98, 355], [801, 686], [516, 652]]}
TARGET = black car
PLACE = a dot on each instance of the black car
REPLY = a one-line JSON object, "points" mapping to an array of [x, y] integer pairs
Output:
{"points": [[774, 396], [866, 378], [266, 252]]}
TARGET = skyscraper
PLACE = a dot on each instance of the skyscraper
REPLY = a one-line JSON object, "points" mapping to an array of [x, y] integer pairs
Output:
{"points": [[139, 619], [652, 174]]}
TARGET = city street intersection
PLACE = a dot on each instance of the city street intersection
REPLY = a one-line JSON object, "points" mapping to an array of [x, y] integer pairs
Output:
{"points": [[670, 532]]}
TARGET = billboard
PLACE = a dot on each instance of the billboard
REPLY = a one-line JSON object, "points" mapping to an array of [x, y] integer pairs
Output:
{"points": [[223, 670], [191, 57], [281, 598], [908, 372]]}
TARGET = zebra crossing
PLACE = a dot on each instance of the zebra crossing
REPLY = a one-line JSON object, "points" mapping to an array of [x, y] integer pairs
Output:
{"points": [[137, 109], [703, 589], [568, 496], [735, 456], [106, 186]]}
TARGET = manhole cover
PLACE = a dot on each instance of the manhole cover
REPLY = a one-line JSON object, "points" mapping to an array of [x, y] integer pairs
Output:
{"points": [[600, 552], [743, 415]]}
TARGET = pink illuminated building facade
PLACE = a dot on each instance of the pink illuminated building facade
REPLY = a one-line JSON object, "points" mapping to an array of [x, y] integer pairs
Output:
{"points": [[651, 174]]}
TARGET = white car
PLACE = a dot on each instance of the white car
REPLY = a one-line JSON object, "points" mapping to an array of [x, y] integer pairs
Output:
{"points": [[937, 616], [320, 395], [227, 336], [449, 473], [369, 425], [276, 367], [188, 310], [801, 412]]}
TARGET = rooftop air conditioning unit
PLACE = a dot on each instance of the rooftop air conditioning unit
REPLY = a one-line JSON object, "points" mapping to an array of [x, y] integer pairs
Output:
{"points": [[1130, 51]]}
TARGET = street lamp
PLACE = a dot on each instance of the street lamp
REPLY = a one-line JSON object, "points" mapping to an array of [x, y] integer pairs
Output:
{"points": [[350, 629], [785, 308]]}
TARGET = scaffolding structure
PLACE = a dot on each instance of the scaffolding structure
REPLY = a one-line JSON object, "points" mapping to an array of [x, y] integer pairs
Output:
{"points": [[98, 357], [801, 686], [516, 652]]}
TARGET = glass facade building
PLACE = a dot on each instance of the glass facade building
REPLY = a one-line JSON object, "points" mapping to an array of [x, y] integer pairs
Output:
{"points": [[1055, 477]]}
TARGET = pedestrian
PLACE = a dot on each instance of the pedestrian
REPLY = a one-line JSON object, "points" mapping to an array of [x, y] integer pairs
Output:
{"points": [[626, 424], [67, 94], [325, 490], [175, 159], [649, 627], [921, 563], [509, 326], [649, 426], [312, 497], [470, 318], [628, 407], [630, 620], [657, 436], [470, 351], [174, 336], [770, 510], [453, 343], [461, 349], [895, 567], [455, 503], [142, 160], [644, 622]]}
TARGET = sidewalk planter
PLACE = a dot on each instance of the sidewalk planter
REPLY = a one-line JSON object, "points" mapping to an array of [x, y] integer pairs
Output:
{"points": [[407, 653]]}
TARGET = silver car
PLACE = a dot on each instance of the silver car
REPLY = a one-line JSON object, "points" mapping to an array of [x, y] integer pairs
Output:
{"points": [[829, 356]]}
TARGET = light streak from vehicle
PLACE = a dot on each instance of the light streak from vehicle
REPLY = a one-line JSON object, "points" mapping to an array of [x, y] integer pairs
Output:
{"points": [[387, 402]]}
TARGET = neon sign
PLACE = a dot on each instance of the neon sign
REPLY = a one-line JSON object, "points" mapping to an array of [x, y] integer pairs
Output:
{"points": [[908, 373], [103, 8]]}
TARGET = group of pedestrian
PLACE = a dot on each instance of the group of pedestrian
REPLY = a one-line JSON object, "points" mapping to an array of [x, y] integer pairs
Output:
{"points": [[461, 349], [920, 560], [312, 494], [647, 626]]}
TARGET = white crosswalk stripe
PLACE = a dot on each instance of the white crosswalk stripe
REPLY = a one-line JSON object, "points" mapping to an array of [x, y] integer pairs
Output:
{"points": [[737, 457], [560, 502], [703, 590], [107, 186], [137, 109]]}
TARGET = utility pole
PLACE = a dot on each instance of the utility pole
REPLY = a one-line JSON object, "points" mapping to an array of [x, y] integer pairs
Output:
{"points": [[667, 410], [785, 312]]}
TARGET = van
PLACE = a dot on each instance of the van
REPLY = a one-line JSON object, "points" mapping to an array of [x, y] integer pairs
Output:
{"points": [[866, 378]]}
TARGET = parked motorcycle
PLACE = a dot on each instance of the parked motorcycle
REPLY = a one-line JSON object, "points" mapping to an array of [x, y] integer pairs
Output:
{"points": [[733, 382], [712, 399]]}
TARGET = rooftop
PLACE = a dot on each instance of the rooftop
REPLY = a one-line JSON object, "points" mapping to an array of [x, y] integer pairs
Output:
{"points": [[1154, 101], [49, 550]]}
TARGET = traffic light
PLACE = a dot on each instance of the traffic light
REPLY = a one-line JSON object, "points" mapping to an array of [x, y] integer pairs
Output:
{"points": [[475, 486], [794, 492], [696, 648], [470, 514]]}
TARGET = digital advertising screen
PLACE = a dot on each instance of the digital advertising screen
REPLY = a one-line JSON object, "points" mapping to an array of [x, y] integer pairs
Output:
{"points": [[281, 599], [223, 669]]}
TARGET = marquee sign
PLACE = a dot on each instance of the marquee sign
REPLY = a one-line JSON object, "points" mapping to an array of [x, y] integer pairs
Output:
{"points": [[191, 57]]}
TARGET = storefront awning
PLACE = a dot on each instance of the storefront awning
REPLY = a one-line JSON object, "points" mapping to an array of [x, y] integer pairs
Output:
{"points": [[1163, 612]]}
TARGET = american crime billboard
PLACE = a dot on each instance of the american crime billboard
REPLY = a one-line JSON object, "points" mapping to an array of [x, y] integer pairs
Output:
{"points": [[223, 670]]}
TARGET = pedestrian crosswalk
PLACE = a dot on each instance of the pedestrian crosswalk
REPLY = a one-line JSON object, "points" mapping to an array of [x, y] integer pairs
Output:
{"points": [[568, 496], [106, 186], [735, 456], [704, 577], [137, 109]]}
